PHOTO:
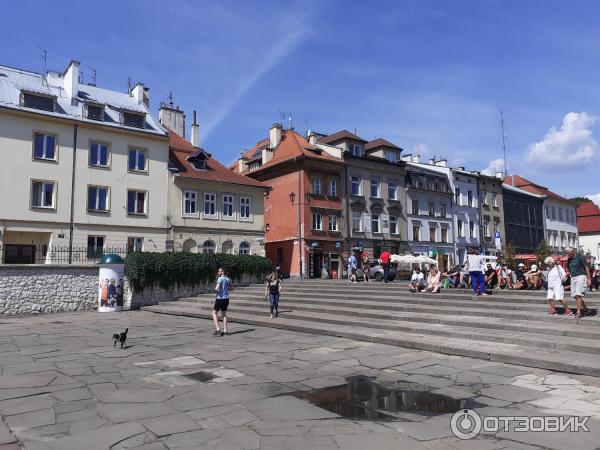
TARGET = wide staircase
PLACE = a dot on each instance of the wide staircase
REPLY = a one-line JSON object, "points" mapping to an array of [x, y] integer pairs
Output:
{"points": [[507, 326]]}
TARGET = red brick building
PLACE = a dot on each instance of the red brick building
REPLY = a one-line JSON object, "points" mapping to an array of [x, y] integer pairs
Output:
{"points": [[303, 210]]}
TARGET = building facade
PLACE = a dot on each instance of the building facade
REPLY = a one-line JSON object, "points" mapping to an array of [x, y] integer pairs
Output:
{"points": [[523, 218], [465, 211], [588, 224], [491, 213], [375, 204], [87, 168], [211, 209]]}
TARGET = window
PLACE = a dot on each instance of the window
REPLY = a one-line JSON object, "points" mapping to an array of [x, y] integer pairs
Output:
{"points": [[94, 112], [415, 206], [391, 156], [547, 212], [136, 202], [35, 101], [444, 235], [486, 227], [332, 188], [496, 225], [471, 229], [356, 150], [356, 185], [459, 228], [431, 209], [560, 214], [317, 221], [374, 187], [99, 154], [44, 146], [333, 223], [137, 160], [135, 244], [228, 206], [442, 210], [432, 231], [208, 247], [356, 221], [483, 197], [95, 246], [553, 212], [375, 223], [190, 203], [134, 120], [97, 198], [316, 185], [457, 196], [210, 204], [393, 225], [494, 199], [430, 184], [391, 190], [244, 248], [470, 199], [254, 166], [42, 194], [416, 232], [443, 186], [245, 208]]}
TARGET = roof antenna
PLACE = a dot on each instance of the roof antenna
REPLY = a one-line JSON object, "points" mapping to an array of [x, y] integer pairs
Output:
{"points": [[171, 103], [93, 83], [503, 140], [129, 85], [45, 59], [281, 117], [291, 122], [355, 131]]}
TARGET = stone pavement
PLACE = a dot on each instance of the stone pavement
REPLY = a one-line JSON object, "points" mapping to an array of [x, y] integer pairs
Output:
{"points": [[63, 386]]}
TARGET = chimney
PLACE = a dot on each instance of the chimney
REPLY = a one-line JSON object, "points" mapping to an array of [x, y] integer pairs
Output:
{"points": [[266, 155], [500, 175], [461, 168], [432, 161], [274, 135], [312, 137], [242, 163], [407, 157], [172, 118], [442, 163], [195, 137], [513, 180], [71, 80], [141, 94]]}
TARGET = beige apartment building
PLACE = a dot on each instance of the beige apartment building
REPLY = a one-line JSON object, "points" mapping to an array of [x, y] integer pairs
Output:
{"points": [[211, 208], [85, 169], [491, 212]]}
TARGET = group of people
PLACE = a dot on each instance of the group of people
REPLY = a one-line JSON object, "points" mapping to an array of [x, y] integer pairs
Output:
{"points": [[359, 260]]}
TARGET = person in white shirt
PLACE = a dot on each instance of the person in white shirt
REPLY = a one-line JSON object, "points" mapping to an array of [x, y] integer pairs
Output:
{"points": [[417, 281], [556, 291], [475, 264]]}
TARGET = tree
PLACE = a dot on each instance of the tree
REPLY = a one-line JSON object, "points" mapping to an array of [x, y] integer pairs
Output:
{"points": [[508, 254], [579, 200], [542, 251]]}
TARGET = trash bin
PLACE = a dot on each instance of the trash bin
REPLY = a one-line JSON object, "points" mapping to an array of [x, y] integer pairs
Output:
{"points": [[110, 283]]}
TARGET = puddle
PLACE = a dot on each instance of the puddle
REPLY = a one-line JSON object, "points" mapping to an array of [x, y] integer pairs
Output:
{"points": [[363, 398], [200, 376]]}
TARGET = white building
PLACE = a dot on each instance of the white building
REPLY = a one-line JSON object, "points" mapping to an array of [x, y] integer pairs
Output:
{"points": [[588, 223], [85, 168]]}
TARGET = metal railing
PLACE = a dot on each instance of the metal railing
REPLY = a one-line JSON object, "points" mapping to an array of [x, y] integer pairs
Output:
{"points": [[55, 254]]}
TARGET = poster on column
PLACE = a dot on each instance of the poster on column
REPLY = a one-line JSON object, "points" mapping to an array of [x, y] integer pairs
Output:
{"points": [[110, 289]]}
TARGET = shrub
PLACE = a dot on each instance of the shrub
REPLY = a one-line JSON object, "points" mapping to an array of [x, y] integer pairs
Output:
{"points": [[146, 269]]}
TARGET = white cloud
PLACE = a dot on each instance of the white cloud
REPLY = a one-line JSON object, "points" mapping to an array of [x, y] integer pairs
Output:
{"points": [[595, 198], [571, 146], [497, 165]]}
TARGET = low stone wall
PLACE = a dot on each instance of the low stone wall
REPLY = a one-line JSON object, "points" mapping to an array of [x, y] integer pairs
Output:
{"points": [[45, 288]]}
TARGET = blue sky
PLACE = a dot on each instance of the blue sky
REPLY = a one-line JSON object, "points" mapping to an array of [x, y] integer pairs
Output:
{"points": [[427, 75]]}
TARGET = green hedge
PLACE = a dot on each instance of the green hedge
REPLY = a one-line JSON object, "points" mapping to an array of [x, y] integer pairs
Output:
{"points": [[147, 269]]}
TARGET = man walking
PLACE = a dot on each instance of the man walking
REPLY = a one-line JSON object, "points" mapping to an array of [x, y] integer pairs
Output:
{"points": [[581, 278], [475, 264], [352, 265], [224, 285], [556, 290], [384, 257]]}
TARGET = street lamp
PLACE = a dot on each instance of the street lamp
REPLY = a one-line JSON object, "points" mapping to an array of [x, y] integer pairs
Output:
{"points": [[292, 198]]}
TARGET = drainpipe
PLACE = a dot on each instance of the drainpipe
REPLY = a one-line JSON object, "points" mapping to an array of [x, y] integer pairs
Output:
{"points": [[348, 223], [71, 223], [300, 268]]}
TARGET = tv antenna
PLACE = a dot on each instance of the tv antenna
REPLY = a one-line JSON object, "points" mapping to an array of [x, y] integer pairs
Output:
{"points": [[503, 140], [45, 59], [93, 74]]}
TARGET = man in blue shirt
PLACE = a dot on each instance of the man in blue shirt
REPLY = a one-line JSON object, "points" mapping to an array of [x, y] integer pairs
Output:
{"points": [[352, 265], [224, 285]]}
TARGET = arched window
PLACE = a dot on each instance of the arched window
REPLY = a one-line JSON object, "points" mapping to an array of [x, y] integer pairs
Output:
{"points": [[227, 247], [244, 248], [189, 246], [208, 247]]}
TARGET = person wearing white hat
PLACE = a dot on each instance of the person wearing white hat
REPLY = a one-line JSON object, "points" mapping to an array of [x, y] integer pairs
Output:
{"points": [[556, 291], [521, 282]]}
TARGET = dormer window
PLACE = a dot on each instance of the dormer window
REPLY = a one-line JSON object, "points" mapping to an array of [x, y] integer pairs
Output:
{"points": [[199, 164], [131, 119], [254, 166], [198, 159], [38, 101], [391, 156], [356, 149], [94, 112]]}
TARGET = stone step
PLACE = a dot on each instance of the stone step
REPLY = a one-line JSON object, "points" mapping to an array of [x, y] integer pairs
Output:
{"points": [[552, 359]]}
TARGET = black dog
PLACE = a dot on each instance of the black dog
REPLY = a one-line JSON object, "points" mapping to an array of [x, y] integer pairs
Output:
{"points": [[122, 337]]}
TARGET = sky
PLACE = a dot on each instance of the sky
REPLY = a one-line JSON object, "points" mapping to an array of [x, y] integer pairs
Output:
{"points": [[430, 76]]}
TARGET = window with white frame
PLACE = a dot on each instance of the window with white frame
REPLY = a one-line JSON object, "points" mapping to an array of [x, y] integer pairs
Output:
{"points": [[486, 227], [470, 199], [356, 185], [375, 223], [316, 185], [333, 223], [135, 244], [432, 233], [494, 199], [332, 188], [391, 156], [208, 247], [44, 146], [496, 225], [393, 224], [431, 209], [228, 206], [43, 194], [37, 101], [245, 208], [415, 206], [136, 202], [95, 246], [244, 248], [356, 221], [392, 190], [137, 161], [190, 203], [374, 187], [457, 196], [356, 150], [317, 221], [471, 228], [416, 232], [444, 235], [97, 198], [484, 198], [459, 228], [99, 154], [442, 210], [210, 205]]}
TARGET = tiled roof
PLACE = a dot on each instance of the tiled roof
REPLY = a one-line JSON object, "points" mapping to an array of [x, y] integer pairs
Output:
{"points": [[588, 218], [530, 186], [339, 136], [380, 142], [180, 149], [14, 81]]}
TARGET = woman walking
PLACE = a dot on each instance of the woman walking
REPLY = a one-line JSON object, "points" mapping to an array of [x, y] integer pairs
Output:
{"points": [[272, 290]]}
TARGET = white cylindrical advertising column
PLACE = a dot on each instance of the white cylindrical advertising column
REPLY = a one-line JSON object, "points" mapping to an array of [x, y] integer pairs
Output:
{"points": [[110, 283]]}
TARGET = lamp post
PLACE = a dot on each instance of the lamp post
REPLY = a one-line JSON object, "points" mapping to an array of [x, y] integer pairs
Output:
{"points": [[292, 200]]}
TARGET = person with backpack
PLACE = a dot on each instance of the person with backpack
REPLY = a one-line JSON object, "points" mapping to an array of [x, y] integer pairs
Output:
{"points": [[352, 266], [224, 285], [556, 291], [272, 290]]}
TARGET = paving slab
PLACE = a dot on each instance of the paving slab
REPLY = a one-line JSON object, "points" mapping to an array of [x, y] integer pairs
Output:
{"points": [[171, 424]]}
